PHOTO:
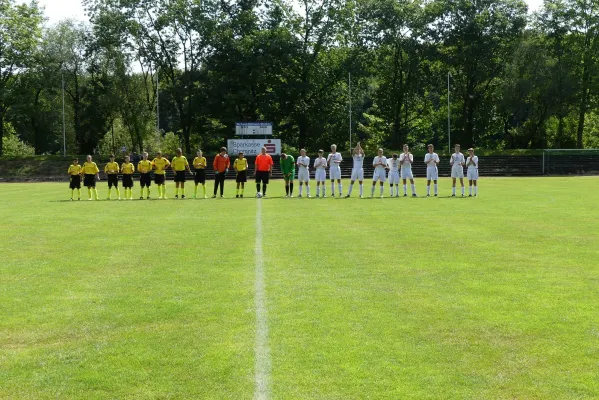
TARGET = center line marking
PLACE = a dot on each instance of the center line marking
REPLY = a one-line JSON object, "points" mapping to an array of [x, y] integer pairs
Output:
{"points": [[261, 349]]}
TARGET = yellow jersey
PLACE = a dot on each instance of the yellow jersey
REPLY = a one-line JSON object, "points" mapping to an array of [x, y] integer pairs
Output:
{"points": [[144, 166], [90, 168], [240, 164], [111, 168], [74, 169], [160, 164], [199, 162], [179, 163], [128, 168]]}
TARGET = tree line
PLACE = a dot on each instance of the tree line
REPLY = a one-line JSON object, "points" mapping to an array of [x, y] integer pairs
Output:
{"points": [[151, 74]]}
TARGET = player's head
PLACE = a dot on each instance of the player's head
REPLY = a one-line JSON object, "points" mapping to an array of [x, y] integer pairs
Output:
{"points": [[431, 148], [263, 150], [240, 155], [89, 158], [284, 156], [406, 148], [159, 154], [179, 152], [127, 159], [199, 153], [380, 152], [471, 151], [112, 157], [145, 155], [320, 153], [457, 148], [303, 152], [395, 156], [334, 148], [223, 151], [75, 161]]}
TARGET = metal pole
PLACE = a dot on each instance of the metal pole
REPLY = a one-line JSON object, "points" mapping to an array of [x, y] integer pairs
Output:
{"points": [[157, 104], [64, 129], [350, 109], [448, 111]]}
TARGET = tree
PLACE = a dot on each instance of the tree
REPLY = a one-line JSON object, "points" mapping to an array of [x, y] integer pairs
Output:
{"points": [[20, 33]]}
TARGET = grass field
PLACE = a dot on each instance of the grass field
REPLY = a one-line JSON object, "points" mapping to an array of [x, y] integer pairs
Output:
{"points": [[495, 297]]}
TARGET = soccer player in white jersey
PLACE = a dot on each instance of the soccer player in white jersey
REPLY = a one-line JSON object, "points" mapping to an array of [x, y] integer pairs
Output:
{"points": [[457, 163], [320, 166], [357, 173], [303, 173], [393, 177], [405, 160], [431, 159], [380, 174], [472, 164], [334, 161]]}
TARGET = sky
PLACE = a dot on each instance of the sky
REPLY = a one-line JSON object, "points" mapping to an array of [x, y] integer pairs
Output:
{"points": [[57, 10]]}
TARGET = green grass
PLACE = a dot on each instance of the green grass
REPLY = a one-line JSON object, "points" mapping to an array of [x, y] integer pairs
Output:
{"points": [[487, 298]]}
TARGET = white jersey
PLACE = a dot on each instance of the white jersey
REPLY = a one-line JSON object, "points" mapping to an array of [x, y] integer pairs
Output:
{"points": [[393, 164], [379, 162], [457, 159], [320, 163], [334, 160], [358, 161], [474, 160], [406, 160], [431, 160], [303, 160]]}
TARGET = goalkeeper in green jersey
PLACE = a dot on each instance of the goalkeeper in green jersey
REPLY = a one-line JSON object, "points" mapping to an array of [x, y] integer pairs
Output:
{"points": [[288, 169]]}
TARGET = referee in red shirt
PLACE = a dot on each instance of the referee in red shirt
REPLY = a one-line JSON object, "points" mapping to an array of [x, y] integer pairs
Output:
{"points": [[264, 165], [221, 166]]}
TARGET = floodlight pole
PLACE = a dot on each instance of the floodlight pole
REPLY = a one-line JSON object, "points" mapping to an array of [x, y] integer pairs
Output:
{"points": [[64, 129], [350, 109], [449, 111]]}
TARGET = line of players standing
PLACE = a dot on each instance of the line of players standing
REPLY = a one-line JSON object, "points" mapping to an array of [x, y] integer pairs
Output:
{"points": [[391, 170]]}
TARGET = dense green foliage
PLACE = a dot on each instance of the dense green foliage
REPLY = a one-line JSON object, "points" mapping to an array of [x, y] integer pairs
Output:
{"points": [[518, 80]]}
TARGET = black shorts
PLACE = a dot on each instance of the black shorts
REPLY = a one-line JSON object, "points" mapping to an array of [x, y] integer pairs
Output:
{"points": [[262, 177], [242, 177], [145, 180], [75, 182], [113, 180], [159, 179], [179, 176], [200, 176], [89, 180], [127, 180]]}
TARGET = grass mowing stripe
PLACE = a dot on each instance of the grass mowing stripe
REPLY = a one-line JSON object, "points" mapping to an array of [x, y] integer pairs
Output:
{"points": [[262, 367]]}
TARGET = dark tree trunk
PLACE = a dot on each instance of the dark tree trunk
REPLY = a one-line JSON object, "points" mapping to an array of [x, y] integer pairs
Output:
{"points": [[303, 131], [584, 104], [2, 111]]}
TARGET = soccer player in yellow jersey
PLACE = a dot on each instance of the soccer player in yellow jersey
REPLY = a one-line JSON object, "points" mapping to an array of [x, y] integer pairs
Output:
{"points": [[179, 165], [127, 168], [74, 172], [160, 165], [91, 173], [145, 179], [199, 164], [240, 166], [112, 172]]}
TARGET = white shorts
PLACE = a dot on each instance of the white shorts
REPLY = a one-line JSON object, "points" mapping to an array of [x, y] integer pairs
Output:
{"points": [[320, 175], [472, 174], [406, 173], [303, 175], [335, 173], [379, 175], [457, 172], [432, 174], [393, 177], [357, 174]]}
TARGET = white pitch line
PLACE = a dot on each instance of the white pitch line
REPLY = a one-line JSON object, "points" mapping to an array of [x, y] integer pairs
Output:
{"points": [[261, 349]]}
